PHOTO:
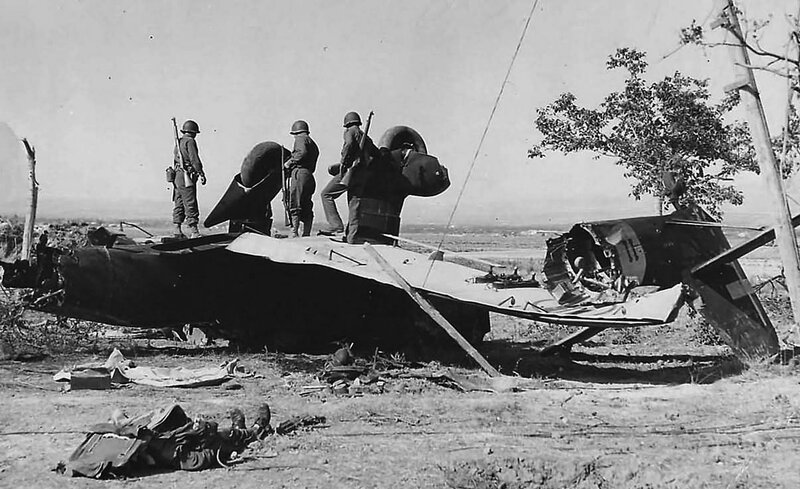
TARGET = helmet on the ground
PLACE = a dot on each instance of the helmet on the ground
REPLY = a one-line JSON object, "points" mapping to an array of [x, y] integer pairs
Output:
{"points": [[352, 118], [299, 127], [190, 126]]}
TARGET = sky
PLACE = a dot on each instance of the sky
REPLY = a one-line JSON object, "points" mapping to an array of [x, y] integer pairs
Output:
{"points": [[93, 84]]}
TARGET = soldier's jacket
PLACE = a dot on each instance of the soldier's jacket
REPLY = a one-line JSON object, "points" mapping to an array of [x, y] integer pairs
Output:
{"points": [[351, 146], [191, 157], [305, 153]]}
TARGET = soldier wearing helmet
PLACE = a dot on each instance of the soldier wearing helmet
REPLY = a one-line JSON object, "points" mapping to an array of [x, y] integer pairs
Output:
{"points": [[188, 170], [351, 154], [302, 185]]}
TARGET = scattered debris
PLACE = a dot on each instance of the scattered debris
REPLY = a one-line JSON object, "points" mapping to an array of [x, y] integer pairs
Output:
{"points": [[196, 336], [343, 356], [298, 422], [90, 378], [371, 376], [103, 237], [122, 371], [513, 473]]}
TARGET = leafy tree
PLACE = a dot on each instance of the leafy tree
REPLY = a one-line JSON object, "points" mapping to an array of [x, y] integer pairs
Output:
{"points": [[652, 128]]}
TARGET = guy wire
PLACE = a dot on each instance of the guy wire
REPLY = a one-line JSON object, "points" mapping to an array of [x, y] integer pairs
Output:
{"points": [[483, 136]]}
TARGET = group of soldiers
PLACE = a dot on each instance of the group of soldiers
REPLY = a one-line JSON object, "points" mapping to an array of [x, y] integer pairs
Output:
{"points": [[299, 171]]}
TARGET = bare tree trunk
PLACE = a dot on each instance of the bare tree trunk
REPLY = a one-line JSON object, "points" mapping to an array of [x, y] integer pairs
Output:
{"points": [[30, 218]]}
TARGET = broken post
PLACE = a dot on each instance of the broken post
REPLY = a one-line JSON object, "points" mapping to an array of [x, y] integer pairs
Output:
{"points": [[30, 218], [746, 84], [431, 311]]}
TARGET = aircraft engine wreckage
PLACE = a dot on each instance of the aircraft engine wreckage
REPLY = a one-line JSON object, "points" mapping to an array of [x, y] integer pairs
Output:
{"points": [[303, 294]]}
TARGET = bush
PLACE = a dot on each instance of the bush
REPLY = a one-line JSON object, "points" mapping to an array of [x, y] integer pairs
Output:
{"points": [[10, 238], [25, 333]]}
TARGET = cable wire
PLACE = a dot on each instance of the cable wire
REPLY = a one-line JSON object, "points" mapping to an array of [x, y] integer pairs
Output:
{"points": [[483, 136]]}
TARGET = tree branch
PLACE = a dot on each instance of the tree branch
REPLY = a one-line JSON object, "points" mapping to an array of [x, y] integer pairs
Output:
{"points": [[754, 50], [774, 71]]}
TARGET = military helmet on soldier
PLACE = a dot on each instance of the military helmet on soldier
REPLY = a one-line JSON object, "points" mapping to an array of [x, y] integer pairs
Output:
{"points": [[190, 126], [299, 127], [352, 118]]}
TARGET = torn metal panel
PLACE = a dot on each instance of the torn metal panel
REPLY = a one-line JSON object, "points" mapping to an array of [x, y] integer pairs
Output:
{"points": [[253, 300], [731, 305], [749, 338], [458, 283]]}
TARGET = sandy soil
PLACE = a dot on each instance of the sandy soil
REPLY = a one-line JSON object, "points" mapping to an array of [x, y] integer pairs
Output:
{"points": [[649, 408], [605, 418]]}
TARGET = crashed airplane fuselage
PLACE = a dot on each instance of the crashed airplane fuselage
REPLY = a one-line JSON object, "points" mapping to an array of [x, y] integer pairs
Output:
{"points": [[302, 294]]}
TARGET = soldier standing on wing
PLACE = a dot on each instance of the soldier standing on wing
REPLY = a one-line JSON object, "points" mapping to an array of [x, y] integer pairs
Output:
{"points": [[351, 153], [188, 169], [301, 168]]}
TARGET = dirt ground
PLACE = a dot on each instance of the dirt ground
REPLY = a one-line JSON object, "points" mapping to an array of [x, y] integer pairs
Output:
{"points": [[644, 408], [626, 415]]}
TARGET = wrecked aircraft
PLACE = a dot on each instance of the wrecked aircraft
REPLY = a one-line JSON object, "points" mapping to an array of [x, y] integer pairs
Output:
{"points": [[303, 294], [661, 251]]}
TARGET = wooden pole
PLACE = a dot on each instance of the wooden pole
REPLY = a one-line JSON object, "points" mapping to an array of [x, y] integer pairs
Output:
{"points": [[30, 218], [746, 84], [431, 311]]}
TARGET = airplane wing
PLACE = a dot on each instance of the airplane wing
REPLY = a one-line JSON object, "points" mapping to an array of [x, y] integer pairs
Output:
{"points": [[456, 282]]}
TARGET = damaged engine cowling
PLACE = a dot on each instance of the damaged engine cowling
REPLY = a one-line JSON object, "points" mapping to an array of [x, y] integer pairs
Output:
{"points": [[632, 251], [613, 257], [248, 197]]}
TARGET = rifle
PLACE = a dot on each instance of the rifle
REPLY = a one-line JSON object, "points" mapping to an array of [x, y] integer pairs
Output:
{"points": [[361, 144], [363, 141], [187, 170], [287, 218]]}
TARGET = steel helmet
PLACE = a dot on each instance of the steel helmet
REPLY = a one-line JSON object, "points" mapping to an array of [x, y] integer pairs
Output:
{"points": [[352, 118], [190, 126], [299, 127]]}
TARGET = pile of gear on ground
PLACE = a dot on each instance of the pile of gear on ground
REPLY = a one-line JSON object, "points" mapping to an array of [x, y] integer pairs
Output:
{"points": [[169, 439]]}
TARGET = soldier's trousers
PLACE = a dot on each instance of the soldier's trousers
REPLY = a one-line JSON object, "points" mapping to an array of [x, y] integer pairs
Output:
{"points": [[185, 198], [330, 193], [301, 189]]}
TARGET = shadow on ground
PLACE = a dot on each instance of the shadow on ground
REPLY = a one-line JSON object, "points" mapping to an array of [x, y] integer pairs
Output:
{"points": [[510, 357], [528, 361]]}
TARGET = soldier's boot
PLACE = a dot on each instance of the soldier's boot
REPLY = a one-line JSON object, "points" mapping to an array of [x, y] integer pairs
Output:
{"points": [[179, 231], [295, 226], [193, 231], [261, 424], [237, 418], [307, 227]]}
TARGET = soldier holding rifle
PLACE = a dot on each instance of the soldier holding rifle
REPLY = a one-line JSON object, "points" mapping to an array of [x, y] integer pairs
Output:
{"points": [[188, 170], [356, 144], [300, 170]]}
